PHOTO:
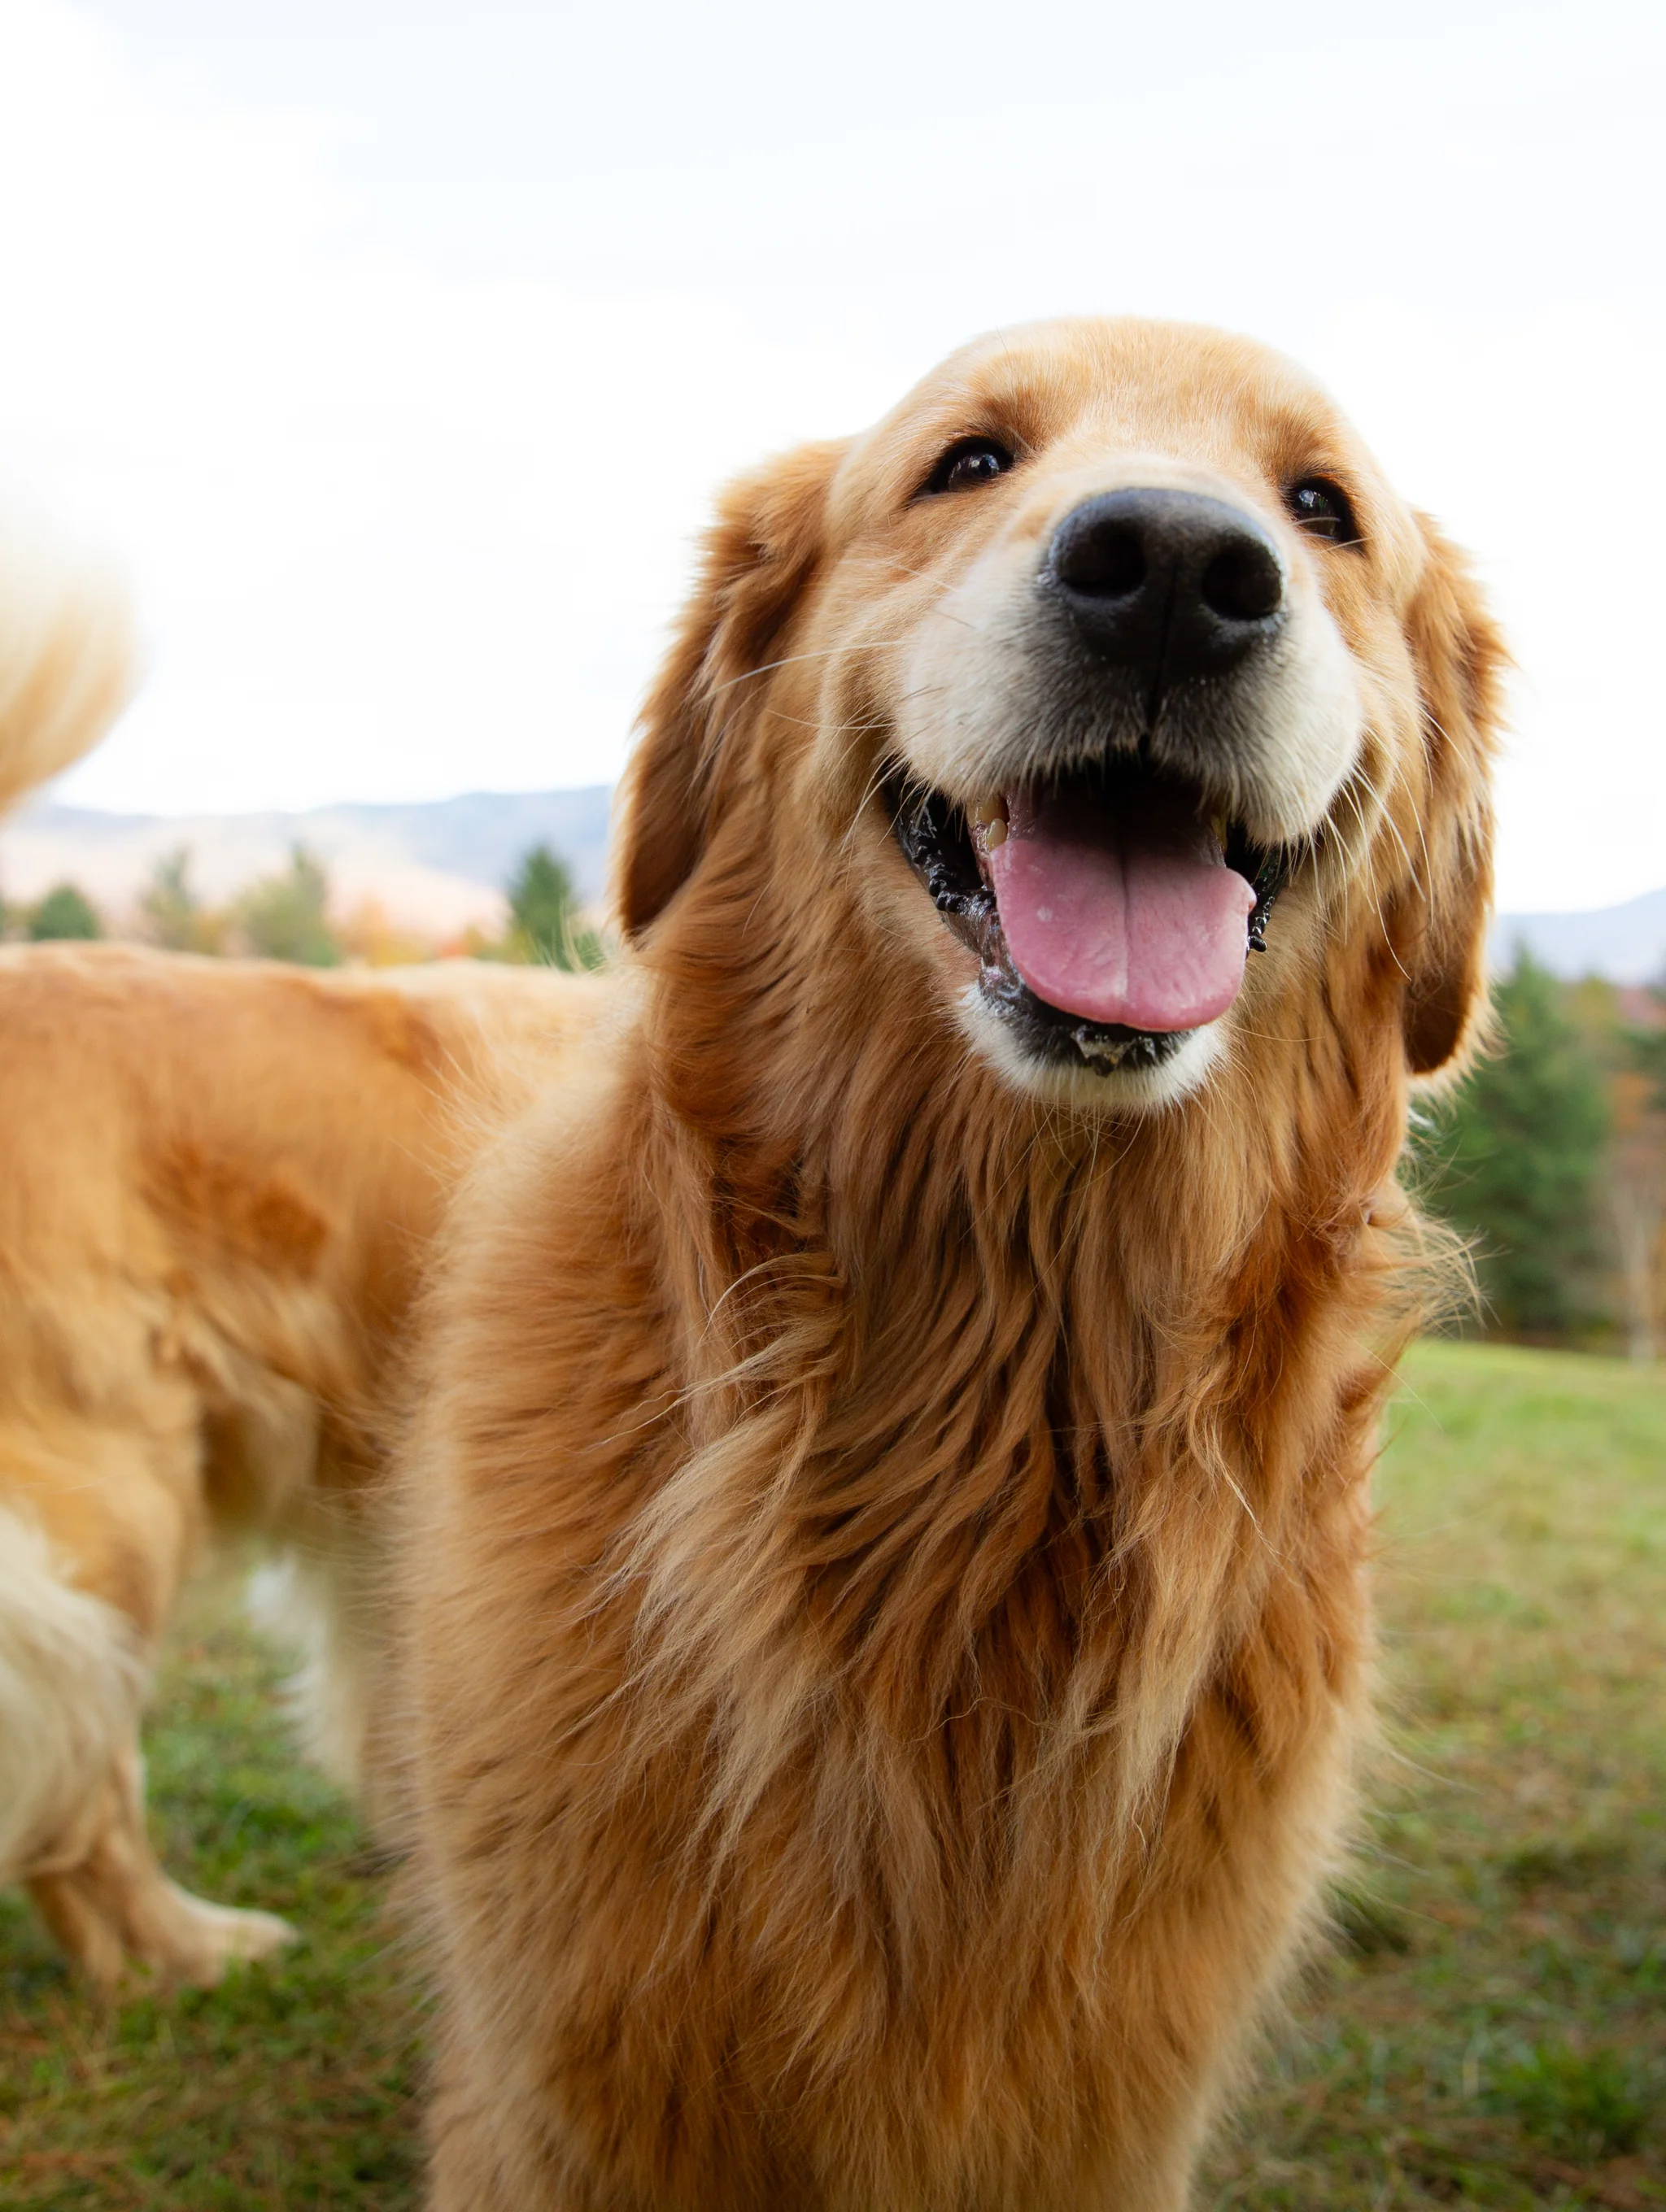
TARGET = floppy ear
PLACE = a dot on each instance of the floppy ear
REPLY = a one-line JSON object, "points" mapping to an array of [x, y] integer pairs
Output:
{"points": [[758, 555], [1460, 661]]}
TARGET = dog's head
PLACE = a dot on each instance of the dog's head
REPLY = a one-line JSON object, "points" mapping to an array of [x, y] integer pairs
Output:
{"points": [[1107, 662]]}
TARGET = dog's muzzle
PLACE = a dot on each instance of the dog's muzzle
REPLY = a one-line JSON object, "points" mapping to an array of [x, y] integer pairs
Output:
{"points": [[1102, 879]]}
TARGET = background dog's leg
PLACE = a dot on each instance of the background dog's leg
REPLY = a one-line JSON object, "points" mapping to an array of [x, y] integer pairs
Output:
{"points": [[73, 1672], [114, 1903]]}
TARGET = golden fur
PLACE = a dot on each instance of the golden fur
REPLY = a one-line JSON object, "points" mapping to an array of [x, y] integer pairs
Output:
{"points": [[217, 1186], [885, 1562]]}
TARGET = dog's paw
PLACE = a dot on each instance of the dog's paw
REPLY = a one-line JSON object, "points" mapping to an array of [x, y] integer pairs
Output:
{"points": [[206, 1939]]}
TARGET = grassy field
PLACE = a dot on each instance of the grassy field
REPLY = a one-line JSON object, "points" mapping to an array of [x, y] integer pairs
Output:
{"points": [[1490, 2031]]}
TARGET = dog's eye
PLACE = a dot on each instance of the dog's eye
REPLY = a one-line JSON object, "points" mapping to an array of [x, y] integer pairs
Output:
{"points": [[969, 461], [1321, 509]]}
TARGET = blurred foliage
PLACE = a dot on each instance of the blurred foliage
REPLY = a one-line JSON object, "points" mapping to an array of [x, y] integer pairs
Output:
{"points": [[65, 912], [291, 914], [1515, 1160], [172, 916], [544, 916], [369, 935], [285, 916], [1647, 1052]]}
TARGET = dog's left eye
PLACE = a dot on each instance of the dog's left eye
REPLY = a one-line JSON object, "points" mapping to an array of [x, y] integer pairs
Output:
{"points": [[969, 461], [1322, 510]]}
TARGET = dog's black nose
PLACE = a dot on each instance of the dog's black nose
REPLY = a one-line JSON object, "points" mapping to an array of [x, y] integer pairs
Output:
{"points": [[1166, 584]]}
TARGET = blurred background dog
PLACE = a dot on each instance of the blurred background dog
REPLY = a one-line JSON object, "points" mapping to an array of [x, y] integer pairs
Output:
{"points": [[218, 1186]]}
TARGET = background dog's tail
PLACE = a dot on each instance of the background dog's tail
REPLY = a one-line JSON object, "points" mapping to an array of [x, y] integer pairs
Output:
{"points": [[68, 655]]}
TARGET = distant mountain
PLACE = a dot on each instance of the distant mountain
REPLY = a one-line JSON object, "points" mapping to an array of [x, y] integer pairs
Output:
{"points": [[1626, 943], [435, 867]]}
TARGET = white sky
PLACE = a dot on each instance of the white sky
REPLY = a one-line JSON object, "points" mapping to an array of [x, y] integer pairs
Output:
{"points": [[399, 347]]}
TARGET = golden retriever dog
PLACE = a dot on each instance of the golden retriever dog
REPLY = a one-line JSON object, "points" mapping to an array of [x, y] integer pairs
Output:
{"points": [[218, 1183], [885, 1559]]}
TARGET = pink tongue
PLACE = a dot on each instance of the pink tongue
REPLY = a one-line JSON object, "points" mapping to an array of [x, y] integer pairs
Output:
{"points": [[1121, 910]]}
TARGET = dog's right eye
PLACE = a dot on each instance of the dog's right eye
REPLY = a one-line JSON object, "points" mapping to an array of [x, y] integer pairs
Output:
{"points": [[969, 461], [1321, 509]]}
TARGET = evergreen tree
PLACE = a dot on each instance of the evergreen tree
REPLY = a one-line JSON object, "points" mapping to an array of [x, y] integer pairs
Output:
{"points": [[284, 917], [171, 912], [543, 904], [1515, 1161], [65, 912]]}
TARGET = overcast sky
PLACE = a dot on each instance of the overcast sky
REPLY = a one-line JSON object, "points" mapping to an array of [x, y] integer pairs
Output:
{"points": [[399, 349]]}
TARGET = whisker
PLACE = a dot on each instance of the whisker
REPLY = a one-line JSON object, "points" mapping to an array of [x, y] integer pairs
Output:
{"points": [[792, 660]]}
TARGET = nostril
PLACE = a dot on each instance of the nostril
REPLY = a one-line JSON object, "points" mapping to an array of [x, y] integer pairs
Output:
{"points": [[1244, 581], [1104, 563]]}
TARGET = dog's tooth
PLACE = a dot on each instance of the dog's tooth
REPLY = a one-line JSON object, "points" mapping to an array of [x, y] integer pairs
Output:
{"points": [[995, 833], [1218, 827]]}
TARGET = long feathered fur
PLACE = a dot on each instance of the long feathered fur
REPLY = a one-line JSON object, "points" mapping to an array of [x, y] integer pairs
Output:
{"points": [[886, 1622]]}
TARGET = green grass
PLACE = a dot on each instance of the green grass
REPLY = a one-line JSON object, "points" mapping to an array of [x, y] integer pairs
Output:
{"points": [[1491, 2030]]}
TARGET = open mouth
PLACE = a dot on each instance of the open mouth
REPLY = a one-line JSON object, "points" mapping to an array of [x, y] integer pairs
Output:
{"points": [[1111, 909]]}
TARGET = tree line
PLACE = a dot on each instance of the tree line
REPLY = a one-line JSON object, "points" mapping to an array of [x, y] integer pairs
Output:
{"points": [[1551, 1160], [289, 916]]}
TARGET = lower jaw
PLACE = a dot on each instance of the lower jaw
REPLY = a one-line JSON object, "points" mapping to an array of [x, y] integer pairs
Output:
{"points": [[1051, 1038], [1044, 1034]]}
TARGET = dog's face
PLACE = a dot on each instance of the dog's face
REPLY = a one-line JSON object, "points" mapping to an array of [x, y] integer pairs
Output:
{"points": [[1106, 660]]}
